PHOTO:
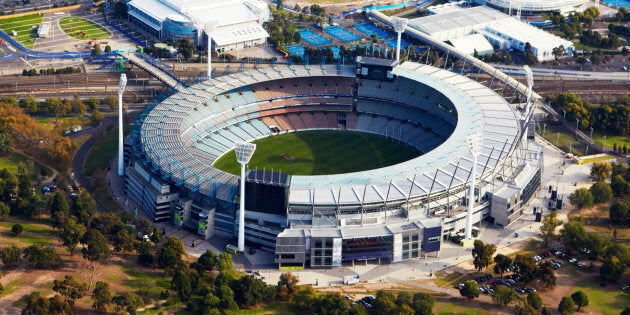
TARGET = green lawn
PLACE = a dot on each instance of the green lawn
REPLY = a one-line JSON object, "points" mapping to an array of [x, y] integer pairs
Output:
{"points": [[322, 152], [32, 234], [11, 161], [25, 26], [610, 140], [563, 139], [79, 28], [103, 152], [607, 301]]}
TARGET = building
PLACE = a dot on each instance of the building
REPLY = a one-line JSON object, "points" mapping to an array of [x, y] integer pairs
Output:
{"points": [[232, 24], [534, 7], [453, 23], [390, 214]]}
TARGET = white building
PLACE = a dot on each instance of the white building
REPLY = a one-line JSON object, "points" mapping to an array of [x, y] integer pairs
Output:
{"points": [[534, 7], [499, 29], [233, 24]]}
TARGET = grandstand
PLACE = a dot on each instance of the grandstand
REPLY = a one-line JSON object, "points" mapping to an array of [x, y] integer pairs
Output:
{"points": [[535, 7], [389, 214]]}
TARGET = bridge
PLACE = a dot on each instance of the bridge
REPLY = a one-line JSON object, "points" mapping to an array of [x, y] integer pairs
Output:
{"points": [[150, 65]]}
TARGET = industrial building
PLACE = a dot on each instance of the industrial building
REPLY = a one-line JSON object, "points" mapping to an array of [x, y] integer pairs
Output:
{"points": [[232, 24], [455, 24]]}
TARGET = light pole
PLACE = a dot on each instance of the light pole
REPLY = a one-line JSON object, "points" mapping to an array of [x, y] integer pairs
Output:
{"points": [[591, 133], [399, 25], [244, 152], [544, 127], [558, 140], [209, 28], [564, 114], [577, 127], [474, 144], [604, 138], [570, 147], [121, 90]]}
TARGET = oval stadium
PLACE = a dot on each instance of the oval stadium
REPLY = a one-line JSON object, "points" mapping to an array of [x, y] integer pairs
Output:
{"points": [[535, 7], [395, 212]]}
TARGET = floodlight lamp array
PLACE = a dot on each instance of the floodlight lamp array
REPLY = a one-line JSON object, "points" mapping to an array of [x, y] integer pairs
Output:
{"points": [[399, 24], [474, 144], [122, 83], [244, 152]]}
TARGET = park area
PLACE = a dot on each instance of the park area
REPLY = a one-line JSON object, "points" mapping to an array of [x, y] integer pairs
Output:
{"points": [[322, 152], [25, 28], [81, 29]]}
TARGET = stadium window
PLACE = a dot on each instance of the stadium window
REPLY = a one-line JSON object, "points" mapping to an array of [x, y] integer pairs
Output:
{"points": [[414, 237]]}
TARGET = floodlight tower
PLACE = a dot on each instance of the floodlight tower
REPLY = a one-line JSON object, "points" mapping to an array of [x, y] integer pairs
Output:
{"points": [[399, 25], [121, 90], [530, 85], [244, 152], [209, 28], [474, 144]]}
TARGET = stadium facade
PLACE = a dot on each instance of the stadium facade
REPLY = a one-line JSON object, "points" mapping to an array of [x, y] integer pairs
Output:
{"points": [[232, 24], [391, 214]]}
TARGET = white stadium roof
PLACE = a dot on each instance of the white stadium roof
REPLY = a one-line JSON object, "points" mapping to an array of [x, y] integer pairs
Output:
{"points": [[237, 33], [471, 43], [222, 12], [479, 110]]}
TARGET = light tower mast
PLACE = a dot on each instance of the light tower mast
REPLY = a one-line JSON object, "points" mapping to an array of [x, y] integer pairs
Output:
{"points": [[244, 152], [474, 144], [209, 28], [121, 90], [399, 25]]}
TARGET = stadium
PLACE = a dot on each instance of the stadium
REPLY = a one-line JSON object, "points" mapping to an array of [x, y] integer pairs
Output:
{"points": [[398, 211]]}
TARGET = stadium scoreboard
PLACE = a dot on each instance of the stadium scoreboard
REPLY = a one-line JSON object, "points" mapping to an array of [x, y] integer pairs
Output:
{"points": [[375, 68]]}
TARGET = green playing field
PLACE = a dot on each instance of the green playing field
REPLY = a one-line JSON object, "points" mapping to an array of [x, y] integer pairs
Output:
{"points": [[322, 152]]}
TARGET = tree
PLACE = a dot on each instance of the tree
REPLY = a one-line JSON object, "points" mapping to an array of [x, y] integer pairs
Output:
{"points": [[304, 297], [534, 300], [573, 235], [97, 116], [503, 295], [124, 241], [101, 296], [470, 290], [96, 246], [545, 311], [287, 285], [208, 261], [127, 302], [96, 50], [182, 283], [566, 305], [226, 296], [10, 255], [59, 204], [423, 303], [545, 275], [620, 186], [385, 302], [108, 49], [601, 192], [482, 254], [626, 311], [170, 254], [524, 309], [248, 291], [580, 298], [548, 228], [502, 263], [356, 308], [4, 211], [70, 289], [186, 48], [600, 170], [612, 268], [17, 229], [619, 212], [6, 143], [71, 233], [581, 198], [145, 256], [40, 256], [526, 267]]}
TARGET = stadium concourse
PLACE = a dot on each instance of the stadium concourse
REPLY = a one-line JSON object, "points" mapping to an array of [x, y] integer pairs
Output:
{"points": [[391, 214]]}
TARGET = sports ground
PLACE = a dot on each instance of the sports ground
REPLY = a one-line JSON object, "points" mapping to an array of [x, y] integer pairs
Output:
{"points": [[322, 152]]}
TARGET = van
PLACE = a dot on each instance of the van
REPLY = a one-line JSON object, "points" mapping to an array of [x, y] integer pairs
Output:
{"points": [[624, 68]]}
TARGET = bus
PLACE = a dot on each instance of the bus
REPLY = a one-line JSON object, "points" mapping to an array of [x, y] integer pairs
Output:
{"points": [[231, 249]]}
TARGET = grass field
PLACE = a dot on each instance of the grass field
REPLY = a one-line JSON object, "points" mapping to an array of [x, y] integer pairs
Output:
{"points": [[11, 161], [25, 26], [322, 152], [103, 152], [566, 141], [79, 28], [607, 301]]}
